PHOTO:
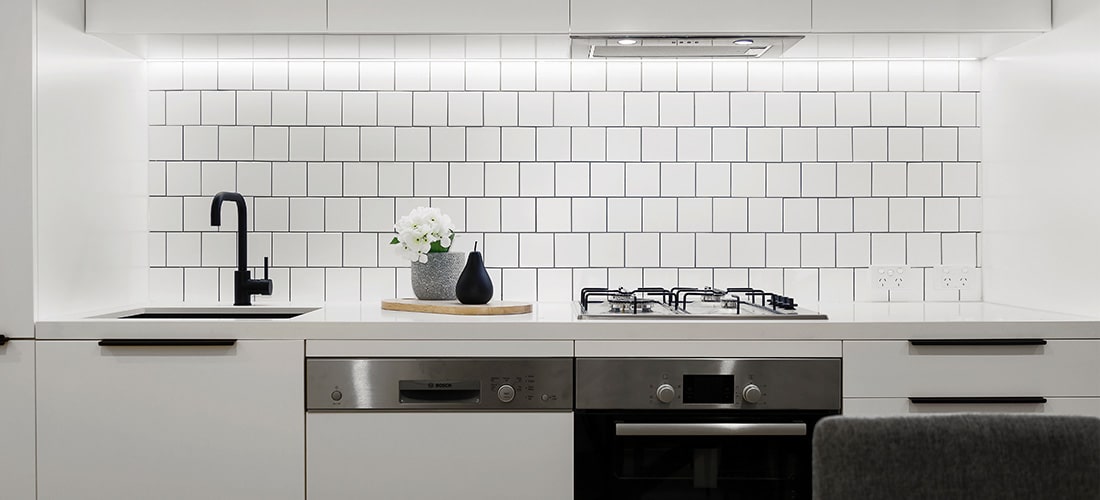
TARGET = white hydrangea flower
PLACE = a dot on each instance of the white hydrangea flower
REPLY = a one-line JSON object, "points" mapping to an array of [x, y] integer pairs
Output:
{"points": [[417, 232]]}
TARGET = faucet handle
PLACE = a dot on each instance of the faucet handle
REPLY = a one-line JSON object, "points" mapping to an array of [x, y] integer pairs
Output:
{"points": [[266, 268]]}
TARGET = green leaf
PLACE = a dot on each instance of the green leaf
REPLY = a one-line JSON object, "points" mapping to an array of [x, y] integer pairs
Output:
{"points": [[437, 248], [394, 241]]}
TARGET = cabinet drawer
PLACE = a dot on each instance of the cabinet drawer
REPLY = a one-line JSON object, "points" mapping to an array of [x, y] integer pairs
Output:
{"points": [[880, 407], [883, 369]]}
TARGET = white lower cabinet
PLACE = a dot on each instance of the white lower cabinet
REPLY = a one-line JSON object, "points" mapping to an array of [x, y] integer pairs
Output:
{"points": [[170, 422], [876, 407], [17, 420], [440, 455]]}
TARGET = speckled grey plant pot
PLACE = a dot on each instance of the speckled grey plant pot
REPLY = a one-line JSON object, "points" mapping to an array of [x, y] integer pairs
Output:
{"points": [[436, 279]]}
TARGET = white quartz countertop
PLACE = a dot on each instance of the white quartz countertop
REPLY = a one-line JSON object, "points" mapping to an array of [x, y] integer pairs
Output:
{"points": [[558, 321]]}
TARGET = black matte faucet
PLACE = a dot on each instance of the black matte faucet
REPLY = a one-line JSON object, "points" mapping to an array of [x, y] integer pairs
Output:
{"points": [[244, 287]]}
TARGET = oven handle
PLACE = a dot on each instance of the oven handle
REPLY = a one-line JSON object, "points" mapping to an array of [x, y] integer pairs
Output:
{"points": [[756, 429]]}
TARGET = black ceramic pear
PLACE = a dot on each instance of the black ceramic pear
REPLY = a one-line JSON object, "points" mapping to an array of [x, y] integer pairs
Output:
{"points": [[474, 285]]}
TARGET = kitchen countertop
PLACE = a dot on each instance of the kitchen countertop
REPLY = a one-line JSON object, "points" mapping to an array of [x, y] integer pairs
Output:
{"points": [[558, 321]]}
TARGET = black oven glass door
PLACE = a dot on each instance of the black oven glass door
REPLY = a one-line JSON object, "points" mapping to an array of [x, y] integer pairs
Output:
{"points": [[693, 455]]}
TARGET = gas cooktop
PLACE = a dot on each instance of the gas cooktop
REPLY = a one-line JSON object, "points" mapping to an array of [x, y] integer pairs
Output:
{"points": [[689, 303]]}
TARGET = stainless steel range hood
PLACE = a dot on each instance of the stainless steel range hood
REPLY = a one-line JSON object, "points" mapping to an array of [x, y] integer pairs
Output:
{"points": [[741, 47]]}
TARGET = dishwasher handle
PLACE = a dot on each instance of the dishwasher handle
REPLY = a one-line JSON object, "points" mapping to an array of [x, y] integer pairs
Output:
{"points": [[439, 391], [711, 429]]}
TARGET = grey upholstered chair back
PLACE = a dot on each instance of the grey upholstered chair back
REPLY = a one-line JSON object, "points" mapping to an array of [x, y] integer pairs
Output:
{"points": [[961, 456]]}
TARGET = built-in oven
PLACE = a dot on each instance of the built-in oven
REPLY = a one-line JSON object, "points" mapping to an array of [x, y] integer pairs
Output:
{"points": [[687, 429]]}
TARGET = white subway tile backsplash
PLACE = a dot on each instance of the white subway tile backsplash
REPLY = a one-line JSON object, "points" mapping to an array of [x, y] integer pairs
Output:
{"points": [[570, 109], [924, 179], [800, 215], [784, 179], [731, 76], [782, 109], [906, 215], [589, 144], [731, 215], [888, 109], [853, 109], [888, 179], [429, 109], [765, 215], [608, 179], [676, 109], [766, 76], [941, 144], [747, 109], [765, 144], [218, 177], [747, 251], [835, 215], [871, 214], [799, 144], [853, 250], [580, 172]]}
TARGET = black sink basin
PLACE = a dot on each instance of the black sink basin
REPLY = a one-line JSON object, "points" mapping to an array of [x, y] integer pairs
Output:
{"points": [[215, 313]]}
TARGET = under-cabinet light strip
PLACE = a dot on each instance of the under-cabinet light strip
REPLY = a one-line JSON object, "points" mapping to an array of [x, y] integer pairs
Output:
{"points": [[665, 59]]}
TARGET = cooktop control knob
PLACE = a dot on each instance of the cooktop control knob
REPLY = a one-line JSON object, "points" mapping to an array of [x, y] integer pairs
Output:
{"points": [[506, 393], [751, 393], [665, 393]]}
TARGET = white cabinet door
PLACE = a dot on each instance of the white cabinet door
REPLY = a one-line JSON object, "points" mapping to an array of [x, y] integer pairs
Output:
{"points": [[17, 419], [205, 16], [833, 16], [880, 407], [690, 17], [130, 423], [448, 16], [440, 455], [894, 368]]}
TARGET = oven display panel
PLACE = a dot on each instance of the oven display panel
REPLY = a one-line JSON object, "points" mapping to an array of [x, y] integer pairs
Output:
{"points": [[708, 389]]}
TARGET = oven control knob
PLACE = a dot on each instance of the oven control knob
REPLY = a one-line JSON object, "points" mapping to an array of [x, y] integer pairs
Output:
{"points": [[665, 393], [506, 393], [751, 393]]}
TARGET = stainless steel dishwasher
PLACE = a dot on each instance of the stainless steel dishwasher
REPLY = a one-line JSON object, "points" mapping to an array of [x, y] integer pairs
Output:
{"points": [[454, 428]]}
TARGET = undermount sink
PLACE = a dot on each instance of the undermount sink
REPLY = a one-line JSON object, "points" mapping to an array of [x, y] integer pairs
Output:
{"points": [[213, 313]]}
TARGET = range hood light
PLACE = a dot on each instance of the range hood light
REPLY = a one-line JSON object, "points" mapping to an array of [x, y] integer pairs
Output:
{"points": [[627, 41], [743, 41]]}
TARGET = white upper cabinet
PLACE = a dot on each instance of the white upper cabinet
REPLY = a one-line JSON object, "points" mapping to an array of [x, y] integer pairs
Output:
{"points": [[848, 16], [692, 17], [448, 16], [205, 16]]}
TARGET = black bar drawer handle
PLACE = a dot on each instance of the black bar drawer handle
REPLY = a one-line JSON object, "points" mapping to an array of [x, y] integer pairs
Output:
{"points": [[977, 342], [3, 339], [996, 400], [167, 342]]}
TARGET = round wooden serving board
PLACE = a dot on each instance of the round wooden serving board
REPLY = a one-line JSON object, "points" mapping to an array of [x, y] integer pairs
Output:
{"points": [[456, 307]]}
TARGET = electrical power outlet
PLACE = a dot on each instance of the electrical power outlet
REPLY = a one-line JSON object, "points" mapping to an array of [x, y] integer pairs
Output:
{"points": [[892, 278], [957, 278]]}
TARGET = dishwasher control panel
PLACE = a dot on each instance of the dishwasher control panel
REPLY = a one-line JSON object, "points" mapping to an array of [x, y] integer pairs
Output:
{"points": [[474, 384]]}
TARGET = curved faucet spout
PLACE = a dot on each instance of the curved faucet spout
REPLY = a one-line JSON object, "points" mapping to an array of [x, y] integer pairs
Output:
{"points": [[244, 285]]}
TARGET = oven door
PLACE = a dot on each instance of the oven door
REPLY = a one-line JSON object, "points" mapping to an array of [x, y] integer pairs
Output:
{"points": [[688, 455]]}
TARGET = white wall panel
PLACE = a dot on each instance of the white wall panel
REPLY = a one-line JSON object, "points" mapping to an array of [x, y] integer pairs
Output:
{"points": [[1039, 111], [93, 152]]}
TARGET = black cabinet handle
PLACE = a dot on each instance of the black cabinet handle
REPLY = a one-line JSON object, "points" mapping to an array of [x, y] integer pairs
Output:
{"points": [[167, 342], [977, 342], [995, 400], [3, 339]]}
